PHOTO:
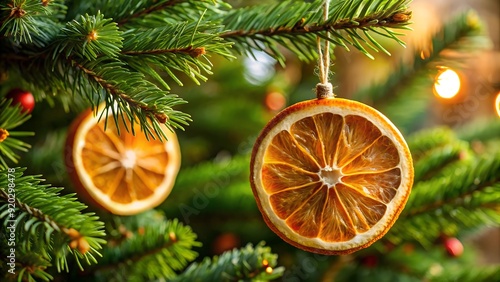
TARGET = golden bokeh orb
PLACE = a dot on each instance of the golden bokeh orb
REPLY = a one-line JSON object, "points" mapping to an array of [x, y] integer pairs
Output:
{"points": [[447, 84]]}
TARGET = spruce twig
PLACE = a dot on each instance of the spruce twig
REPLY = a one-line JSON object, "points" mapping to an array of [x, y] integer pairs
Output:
{"points": [[47, 222], [151, 9], [466, 199], [155, 246], [295, 26], [249, 263], [11, 117]]}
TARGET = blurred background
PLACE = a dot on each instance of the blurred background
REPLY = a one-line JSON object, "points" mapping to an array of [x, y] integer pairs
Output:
{"points": [[233, 106], [440, 79]]}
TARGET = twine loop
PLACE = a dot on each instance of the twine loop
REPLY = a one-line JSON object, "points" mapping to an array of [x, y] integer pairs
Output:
{"points": [[324, 89]]}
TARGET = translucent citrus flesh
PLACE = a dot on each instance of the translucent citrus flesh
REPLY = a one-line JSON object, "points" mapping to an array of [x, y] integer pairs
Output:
{"points": [[331, 177], [127, 162], [122, 172]]}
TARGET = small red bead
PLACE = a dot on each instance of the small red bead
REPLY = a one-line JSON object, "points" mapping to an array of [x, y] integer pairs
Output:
{"points": [[23, 98], [453, 247]]}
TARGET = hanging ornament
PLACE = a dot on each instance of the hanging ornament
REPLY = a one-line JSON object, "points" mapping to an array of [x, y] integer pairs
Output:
{"points": [[23, 98], [122, 173], [330, 175]]}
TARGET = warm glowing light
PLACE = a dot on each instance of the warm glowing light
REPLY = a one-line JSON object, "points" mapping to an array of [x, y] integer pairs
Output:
{"points": [[497, 104], [265, 263], [447, 84]]}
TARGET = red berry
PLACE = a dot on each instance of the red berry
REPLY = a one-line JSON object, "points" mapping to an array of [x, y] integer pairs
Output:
{"points": [[23, 98], [453, 247], [369, 261]]}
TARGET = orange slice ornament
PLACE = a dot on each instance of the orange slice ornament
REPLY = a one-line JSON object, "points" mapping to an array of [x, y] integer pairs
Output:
{"points": [[117, 171], [331, 176]]}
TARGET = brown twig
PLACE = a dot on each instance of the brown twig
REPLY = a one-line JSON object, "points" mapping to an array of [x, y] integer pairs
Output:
{"points": [[190, 50], [160, 117], [393, 20]]}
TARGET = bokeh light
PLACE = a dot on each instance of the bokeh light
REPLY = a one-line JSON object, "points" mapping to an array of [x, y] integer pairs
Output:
{"points": [[447, 84], [275, 101], [259, 68], [497, 104]]}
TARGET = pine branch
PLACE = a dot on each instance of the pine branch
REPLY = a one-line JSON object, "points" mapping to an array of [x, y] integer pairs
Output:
{"points": [[469, 274], [411, 262], [90, 50], [46, 222], [10, 118], [246, 264], [295, 25], [181, 47], [464, 33], [466, 199], [19, 19], [412, 81], [482, 130], [89, 38], [147, 13], [422, 142], [145, 247], [436, 160], [29, 266], [150, 9]]}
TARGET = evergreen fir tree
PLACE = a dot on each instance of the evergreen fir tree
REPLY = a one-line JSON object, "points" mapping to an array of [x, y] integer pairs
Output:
{"points": [[182, 63]]}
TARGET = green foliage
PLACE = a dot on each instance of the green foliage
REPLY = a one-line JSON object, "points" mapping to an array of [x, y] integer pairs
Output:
{"points": [[17, 19], [31, 266], [247, 264], [210, 188], [147, 13], [295, 25], [89, 38], [436, 159], [408, 262], [10, 118], [455, 189], [130, 54], [41, 219], [489, 273], [406, 95], [117, 55], [144, 247], [422, 142], [174, 48]]}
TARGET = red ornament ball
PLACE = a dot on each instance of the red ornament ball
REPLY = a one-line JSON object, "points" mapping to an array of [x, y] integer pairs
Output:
{"points": [[453, 247], [23, 98]]}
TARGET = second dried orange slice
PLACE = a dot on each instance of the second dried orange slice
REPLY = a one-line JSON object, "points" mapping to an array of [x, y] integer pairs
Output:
{"points": [[123, 173], [331, 176]]}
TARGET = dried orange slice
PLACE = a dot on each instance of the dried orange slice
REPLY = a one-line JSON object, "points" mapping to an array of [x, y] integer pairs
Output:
{"points": [[331, 176], [117, 171]]}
